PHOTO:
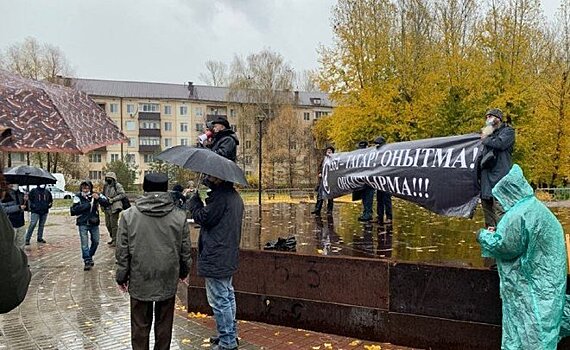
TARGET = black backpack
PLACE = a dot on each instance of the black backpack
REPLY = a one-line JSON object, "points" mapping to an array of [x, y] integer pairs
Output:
{"points": [[125, 202]]}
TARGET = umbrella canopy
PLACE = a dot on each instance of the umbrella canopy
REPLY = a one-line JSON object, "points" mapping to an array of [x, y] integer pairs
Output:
{"points": [[203, 160], [28, 175], [51, 118]]}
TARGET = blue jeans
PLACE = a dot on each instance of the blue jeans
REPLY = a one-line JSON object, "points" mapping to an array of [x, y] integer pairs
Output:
{"points": [[86, 251], [221, 298], [41, 218]]}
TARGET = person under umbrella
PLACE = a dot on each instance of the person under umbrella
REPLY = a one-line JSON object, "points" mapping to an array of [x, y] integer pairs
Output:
{"points": [[40, 201], [220, 221]]}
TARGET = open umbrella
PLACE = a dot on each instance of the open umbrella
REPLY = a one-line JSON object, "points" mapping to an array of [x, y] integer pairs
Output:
{"points": [[203, 160], [28, 175], [51, 118]]}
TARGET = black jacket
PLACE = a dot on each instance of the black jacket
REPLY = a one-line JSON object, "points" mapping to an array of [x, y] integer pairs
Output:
{"points": [[40, 200], [220, 232], [12, 206], [15, 273], [501, 142], [225, 144], [86, 207]]}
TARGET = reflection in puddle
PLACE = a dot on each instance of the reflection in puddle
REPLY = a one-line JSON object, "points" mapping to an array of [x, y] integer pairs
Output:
{"points": [[415, 235]]}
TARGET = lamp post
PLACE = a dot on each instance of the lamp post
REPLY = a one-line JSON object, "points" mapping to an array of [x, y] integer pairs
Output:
{"points": [[260, 118]]}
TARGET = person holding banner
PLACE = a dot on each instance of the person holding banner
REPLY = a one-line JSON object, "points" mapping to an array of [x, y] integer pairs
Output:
{"points": [[383, 198], [367, 194], [319, 205], [495, 162], [529, 247]]}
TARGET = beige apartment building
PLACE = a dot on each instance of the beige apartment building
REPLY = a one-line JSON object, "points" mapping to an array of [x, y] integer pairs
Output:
{"points": [[155, 116]]}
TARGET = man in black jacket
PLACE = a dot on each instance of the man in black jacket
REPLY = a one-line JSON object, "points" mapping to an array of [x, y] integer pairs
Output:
{"points": [[40, 201], [218, 253], [225, 141], [86, 208], [14, 204], [496, 161]]}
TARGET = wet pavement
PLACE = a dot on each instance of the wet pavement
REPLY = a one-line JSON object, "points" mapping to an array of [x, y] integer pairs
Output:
{"points": [[68, 308]]}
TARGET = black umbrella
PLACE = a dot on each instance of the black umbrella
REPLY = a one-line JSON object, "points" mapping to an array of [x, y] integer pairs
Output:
{"points": [[28, 175], [205, 161]]}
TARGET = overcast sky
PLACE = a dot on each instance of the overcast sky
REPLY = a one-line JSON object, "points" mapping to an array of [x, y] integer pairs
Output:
{"points": [[170, 40]]}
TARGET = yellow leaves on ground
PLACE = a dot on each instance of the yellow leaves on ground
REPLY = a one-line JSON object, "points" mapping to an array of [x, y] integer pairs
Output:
{"points": [[372, 347], [196, 315], [355, 343], [186, 341]]}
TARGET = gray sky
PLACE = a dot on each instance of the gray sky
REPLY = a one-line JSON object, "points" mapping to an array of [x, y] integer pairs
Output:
{"points": [[168, 40]]}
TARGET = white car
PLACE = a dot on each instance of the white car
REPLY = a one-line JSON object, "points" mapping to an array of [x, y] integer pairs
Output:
{"points": [[58, 193]]}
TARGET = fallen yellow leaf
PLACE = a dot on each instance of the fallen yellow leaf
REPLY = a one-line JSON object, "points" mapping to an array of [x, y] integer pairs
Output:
{"points": [[355, 343], [185, 341], [316, 347], [328, 346], [277, 333], [372, 347]]}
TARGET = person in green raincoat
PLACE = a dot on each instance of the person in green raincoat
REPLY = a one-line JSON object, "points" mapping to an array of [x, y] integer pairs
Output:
{"points": [[528, 244]]}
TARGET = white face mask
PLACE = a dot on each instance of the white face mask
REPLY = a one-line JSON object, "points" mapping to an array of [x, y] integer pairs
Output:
{"points": [[490, 121]]}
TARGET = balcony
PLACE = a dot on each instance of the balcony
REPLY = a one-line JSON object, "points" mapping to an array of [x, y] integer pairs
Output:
{"points": [[149, 148], [149, 132], [149, 116]]}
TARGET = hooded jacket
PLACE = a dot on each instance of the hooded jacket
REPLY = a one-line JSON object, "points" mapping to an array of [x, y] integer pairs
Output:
{"points": [[86, 207], [225, 143], [40, 200], [528, 245], [501, 143], [114, 193], [153, 247], [15, 273], [220, 231]]}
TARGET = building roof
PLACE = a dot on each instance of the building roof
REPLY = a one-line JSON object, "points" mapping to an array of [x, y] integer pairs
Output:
{"points": [[139, 89]]}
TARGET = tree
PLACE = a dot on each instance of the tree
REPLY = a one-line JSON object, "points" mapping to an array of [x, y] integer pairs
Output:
{"points": [[34, 60], [126, 173], [307, 81], [217, 73], [176, 174]]}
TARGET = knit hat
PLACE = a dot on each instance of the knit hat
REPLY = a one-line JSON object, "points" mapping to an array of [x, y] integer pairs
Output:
{"points": [[155, 182], [221, 120], [495, 112], [362, 144], [379, 141]]}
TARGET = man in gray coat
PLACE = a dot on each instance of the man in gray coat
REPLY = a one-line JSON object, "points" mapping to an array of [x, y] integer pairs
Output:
{"points": [[495, 162], [114, 192], [153, 253], [218, 254]]}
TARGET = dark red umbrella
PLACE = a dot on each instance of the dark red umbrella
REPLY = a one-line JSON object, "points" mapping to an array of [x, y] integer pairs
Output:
{"points": [[46, 117]]}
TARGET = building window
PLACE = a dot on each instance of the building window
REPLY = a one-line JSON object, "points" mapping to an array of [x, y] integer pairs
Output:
{"points": [[199, 127], [248, 173], [95, 175], [149, 124], [132, 142], [149, 107], [150, 141], [248, 144], [131, 109], [168, 126], [307, 116], [114, 157], [247, 129], [293, 145], [130, 125], [168, 110], [75, 158], [183, 127], [148, 158], [319, 114], [167, 142], [95, 158], [183, 110], [113, 108], [184, 142], [232, 113], [130, 158], [247, 160]]}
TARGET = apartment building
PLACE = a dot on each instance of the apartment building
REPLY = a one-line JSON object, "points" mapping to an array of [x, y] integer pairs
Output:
{"points": [[155, 116]]}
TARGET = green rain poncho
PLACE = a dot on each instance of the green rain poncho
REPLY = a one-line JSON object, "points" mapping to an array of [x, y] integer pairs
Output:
{"points": [[528, 245]]}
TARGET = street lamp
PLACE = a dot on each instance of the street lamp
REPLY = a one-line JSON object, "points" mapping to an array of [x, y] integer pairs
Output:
{"points": [[260, 118]]}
